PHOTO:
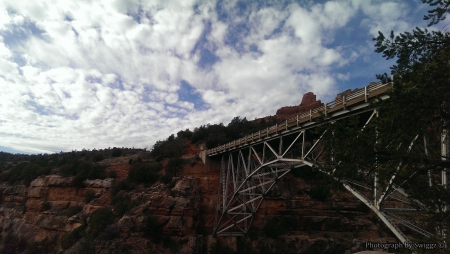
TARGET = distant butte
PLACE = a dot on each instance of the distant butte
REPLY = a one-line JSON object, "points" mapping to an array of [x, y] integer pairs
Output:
{"points": [[308, 103]]}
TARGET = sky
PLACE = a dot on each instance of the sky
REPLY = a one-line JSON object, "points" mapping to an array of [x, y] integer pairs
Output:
{"points": [[115, 73]]}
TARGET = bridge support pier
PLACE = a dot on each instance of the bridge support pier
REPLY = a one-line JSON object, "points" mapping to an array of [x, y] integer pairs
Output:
{"points": [[210, 163]]}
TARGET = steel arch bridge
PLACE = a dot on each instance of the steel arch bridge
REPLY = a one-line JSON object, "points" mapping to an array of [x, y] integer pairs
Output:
{"points": [[251, 166]]}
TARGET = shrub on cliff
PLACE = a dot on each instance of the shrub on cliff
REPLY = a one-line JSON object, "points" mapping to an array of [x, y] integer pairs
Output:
{"points": [[87, 170], [275, 228], [306, 173], [116, 152], [25, 172], [12, 244], [125, 184], [144, 172], [46, 206], [152, 229], [70, 238], [90, 195], [100, 218], [170, 148], [112, 174], [74, 210], [98, 157], [122, 203], [173, 169]]}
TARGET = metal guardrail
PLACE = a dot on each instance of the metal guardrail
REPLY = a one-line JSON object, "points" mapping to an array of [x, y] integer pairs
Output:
{"points": [[359, 95]]}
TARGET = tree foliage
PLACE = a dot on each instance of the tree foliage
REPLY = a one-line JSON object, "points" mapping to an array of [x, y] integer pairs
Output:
{"points": [[405, 139], [144, 172], [418, 112], [100, 218]]}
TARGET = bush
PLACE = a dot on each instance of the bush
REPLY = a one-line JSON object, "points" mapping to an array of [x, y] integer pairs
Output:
{"points": [[320, 192], [112, 174], [122, 203], [116, 152], [74, 210], [98, 157], [174, 167], [274, 228], [306, 173], [219, 248], [12, 244], [46, 206], [87, 246], [111, 232], [70, 238], [144, 172], [90, 195], [88, 171], [42, 247], [100, 218], [25, 172], [121, 185], [152, 229], [169, 148]]}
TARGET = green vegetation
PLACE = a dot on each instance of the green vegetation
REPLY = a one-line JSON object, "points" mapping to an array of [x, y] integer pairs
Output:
{"points": [[273, 229], [98, 157], [100, 218], [87, 170], [24, 172], [122, 203], [46, 206], [411, 122], [116, 152], [320, 192], [152, 229], [307, 173], [212, 135], [112, 174], [70, 238], [173, 169], [17, 168], [219, 248], [122, 185], [90, 195], [13, 244], [144, 172], [74, 210]]}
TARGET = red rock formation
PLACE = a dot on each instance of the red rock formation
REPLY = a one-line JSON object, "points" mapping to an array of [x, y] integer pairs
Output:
{"points": [[309, 102], [186, 210]]}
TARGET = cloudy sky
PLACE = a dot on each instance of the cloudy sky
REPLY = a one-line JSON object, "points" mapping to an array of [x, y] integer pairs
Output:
{"points": [[124, 73]]}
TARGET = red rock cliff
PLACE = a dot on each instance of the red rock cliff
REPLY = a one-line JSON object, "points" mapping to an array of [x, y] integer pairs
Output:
{"points": [[308, 102]]}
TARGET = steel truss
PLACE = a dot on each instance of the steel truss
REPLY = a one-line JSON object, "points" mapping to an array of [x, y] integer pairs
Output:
{"points": [[249, 173]]}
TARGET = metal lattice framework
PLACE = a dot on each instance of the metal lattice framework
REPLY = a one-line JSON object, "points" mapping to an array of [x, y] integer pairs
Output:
{"points": [[250, 169]]}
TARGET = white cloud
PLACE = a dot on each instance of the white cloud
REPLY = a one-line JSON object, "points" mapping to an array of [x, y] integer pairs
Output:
{"points": [[96, 74], [386, 17]]}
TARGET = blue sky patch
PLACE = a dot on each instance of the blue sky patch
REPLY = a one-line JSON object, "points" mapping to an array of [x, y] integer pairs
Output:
{"points": [[18, 34], [188, 93]]}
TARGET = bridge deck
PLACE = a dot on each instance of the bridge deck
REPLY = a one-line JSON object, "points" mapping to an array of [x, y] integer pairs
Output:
{"points": [[328, 110]]}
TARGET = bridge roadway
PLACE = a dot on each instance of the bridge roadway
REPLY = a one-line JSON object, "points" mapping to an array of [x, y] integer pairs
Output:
{"points": [[252, 165], [354, 101]]}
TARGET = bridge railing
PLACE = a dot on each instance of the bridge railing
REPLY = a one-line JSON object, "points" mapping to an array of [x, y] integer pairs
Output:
{"points": [[340, 103]]}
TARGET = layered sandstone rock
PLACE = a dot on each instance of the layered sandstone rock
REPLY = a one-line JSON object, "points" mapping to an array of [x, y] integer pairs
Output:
{"points": [[185, 210], [308, 103]]}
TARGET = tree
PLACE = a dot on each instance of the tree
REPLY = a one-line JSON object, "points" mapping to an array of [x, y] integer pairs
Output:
{"points": [[116, 152], [405, 140], [419, 104]]}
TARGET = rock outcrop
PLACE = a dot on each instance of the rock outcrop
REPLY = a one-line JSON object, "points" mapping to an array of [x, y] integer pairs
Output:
{"points": [[184, 211], [308, 103]]}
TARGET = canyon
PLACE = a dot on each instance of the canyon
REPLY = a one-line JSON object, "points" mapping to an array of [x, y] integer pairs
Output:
{"points": [[291, 219]]}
